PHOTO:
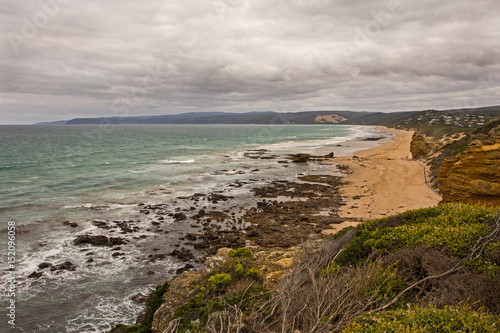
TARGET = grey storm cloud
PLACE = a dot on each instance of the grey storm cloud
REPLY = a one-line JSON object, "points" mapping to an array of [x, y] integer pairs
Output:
{"points": [[62, 59]]}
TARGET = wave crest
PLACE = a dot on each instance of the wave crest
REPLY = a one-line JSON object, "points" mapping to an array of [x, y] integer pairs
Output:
{"points": [[178, 161]]}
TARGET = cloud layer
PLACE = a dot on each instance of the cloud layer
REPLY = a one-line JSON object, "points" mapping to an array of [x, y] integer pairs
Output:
{"points": [[62, 59]]}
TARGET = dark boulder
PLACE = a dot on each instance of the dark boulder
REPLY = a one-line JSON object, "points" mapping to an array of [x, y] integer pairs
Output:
{"points": [[180, 216], [99, 240], [35, 275], [182, 254], [44, 265], [65, 266], [300, 158]]}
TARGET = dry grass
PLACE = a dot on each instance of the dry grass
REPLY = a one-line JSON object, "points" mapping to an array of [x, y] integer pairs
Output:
{"points": [[312, 302]]}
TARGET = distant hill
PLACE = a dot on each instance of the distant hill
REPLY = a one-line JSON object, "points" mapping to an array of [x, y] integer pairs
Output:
{"points": [[59, 122], [462, 118]]}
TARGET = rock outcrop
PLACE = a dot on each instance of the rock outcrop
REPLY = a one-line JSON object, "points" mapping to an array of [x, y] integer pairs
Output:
{"points": [[181, 289], [99, 240], [301, 158], [473, 176], [419, 147], [273, 265]]}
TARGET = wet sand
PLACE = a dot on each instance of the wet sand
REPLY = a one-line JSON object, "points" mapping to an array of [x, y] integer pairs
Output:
{"points": [[383, 181]]}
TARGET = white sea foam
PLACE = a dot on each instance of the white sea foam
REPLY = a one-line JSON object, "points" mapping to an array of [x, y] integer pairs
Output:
{"points": [[178, 161], [138, 171], [108, 311], [296, 146]]}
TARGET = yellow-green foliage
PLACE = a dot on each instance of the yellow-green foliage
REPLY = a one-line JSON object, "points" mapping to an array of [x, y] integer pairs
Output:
{"points": [[452, 227], [386, 283], [253, 273], [484, 266], [222, 279], [332, 268], [426, 320], [239, 270], [242, 252]]}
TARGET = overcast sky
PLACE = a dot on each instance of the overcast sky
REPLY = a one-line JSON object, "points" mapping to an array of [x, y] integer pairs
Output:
{"points": [[62, 59]]}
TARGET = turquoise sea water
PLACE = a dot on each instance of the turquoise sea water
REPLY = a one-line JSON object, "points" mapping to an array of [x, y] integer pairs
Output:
{"points": [[78, 174]]}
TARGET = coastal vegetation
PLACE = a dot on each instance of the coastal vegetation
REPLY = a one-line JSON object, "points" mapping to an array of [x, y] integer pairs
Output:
{"points": [[426, 270], [417, 319]]}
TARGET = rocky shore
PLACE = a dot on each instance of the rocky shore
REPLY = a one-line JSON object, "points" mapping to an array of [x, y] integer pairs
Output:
{"points": [[276, 213]]}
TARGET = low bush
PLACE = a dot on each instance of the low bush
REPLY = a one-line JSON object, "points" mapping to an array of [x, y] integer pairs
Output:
{"points": [[453, 228], [242, 252], [222, 279], [426, 320]]}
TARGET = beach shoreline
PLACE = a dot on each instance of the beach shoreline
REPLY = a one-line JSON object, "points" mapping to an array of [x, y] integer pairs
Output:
{"points": [[383, 181]]}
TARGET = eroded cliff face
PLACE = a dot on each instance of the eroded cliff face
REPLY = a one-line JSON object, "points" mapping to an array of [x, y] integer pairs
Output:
{"points": [[474, 175], [419, 147]]}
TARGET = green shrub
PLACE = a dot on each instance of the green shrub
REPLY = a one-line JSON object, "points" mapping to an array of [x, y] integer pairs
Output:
{"points": [[386, 283], [242, 252], [253, 273], [332, 268], [484, 266], [426, 320], [222, 279], [355, 251], [196, 310], [452, 227], [456, 228], [239, 271]]}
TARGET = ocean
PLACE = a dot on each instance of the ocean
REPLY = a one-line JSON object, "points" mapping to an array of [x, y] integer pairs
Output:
{"points": [[61, 182]]}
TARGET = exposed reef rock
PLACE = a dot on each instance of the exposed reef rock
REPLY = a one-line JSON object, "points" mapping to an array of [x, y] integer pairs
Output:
{"points": [[474, 175], [419, 147], [301, 158], [99, 240]]}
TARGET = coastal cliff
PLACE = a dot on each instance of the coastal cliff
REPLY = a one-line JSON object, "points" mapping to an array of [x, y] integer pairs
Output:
{"points": [[419, 147], [473, 176]]}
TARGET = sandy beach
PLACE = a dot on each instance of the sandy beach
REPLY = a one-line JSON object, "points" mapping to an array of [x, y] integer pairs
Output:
{"points": [[383, 181]]}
